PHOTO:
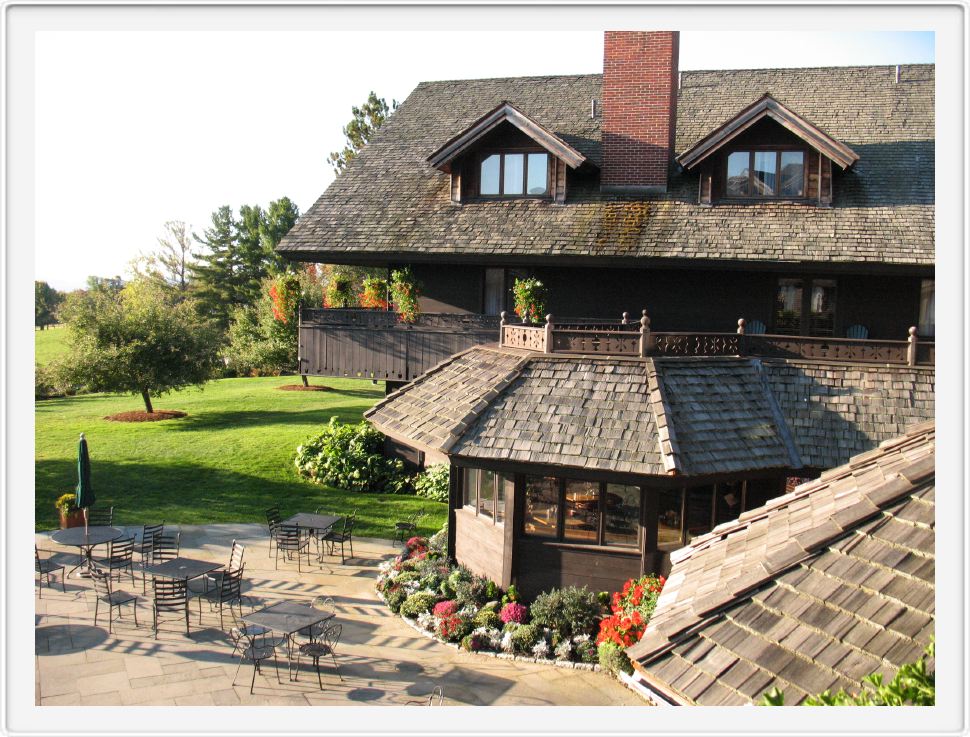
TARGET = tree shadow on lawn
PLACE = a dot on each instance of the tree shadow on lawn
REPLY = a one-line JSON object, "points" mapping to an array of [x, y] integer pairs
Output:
{"points": [[190, 494], [204, 420]]}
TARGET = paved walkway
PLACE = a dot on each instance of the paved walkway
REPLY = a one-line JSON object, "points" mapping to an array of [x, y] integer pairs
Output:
{"points": [[382, 660]]}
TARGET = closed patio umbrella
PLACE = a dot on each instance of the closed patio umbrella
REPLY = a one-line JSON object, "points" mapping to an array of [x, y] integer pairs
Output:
{"points": [[84, 493]]}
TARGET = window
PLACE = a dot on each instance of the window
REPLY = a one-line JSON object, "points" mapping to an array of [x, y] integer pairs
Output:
{"points": [[765, 174], [700, 511], [541, 506], [670, 511], [594, 513], [514, 175], [727, 501], [927, 308], [484, 492], [622, 515], [805, 307], [494, 291]]}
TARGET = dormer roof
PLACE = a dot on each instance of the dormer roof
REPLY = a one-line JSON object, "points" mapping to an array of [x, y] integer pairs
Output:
{"points": [[504, 112], [768, 107]]}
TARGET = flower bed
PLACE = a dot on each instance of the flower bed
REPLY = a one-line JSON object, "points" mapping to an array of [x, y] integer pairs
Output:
{"points": [[450, 604]]}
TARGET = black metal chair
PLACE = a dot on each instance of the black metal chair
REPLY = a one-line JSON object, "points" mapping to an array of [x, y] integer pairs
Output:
{"points": [[289, 541], [407, 528], [228, 591], [435, 698], [45, 567], [104, 593], [213, 580], [99, 516], [320, 648], [312, 634], [255, 647], [273, 519], [169, 596], [342, 538], [240, 631], [144, 549], [165, 547], [119, 558]]}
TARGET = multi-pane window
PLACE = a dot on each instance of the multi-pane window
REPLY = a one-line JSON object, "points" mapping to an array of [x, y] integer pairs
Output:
{"points": [[485, 492], [514, 175], [805, 307], [765, 174], [592, 512], [683, 514]]}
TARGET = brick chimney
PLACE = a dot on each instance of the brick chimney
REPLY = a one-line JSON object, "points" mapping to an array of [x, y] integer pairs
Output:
{"points": [[639, 109]]}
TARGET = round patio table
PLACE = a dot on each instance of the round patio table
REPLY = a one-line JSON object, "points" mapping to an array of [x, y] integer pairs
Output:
{"points": [[85, 541]]}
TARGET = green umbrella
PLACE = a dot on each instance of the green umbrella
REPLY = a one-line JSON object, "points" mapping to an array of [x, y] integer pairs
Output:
{"points": [[84, 497]]}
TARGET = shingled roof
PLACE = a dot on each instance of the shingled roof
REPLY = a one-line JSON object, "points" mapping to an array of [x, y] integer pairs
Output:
{"points": [[391, 203], [652, 416], [813, 591]]}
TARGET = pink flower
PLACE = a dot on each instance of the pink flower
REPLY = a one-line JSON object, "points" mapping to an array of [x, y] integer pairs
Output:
{"points": [[513, 612], [445, 608]]}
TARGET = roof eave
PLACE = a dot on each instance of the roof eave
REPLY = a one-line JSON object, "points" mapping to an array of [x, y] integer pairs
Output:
{"points": [[768, 107], [505, 112]]}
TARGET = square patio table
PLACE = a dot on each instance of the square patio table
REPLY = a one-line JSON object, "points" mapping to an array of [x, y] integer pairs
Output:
{"points": [[287, 618], [319, 523], [184, 569]]}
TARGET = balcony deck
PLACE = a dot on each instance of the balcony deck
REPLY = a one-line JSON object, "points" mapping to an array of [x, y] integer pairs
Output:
{"points": [[373, 344]]}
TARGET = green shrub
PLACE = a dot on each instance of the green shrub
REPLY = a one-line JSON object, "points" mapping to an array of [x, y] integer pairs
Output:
{"points": [[395, 598], [524, 638], [487, 618], [614, 658], [586, 651], [460, 574], [474, 592], [433, 483], [406, 576], [416, 604], [447, 589], [351, 457], [45, 383], [572, 611], [438, 542], [511, 595]]}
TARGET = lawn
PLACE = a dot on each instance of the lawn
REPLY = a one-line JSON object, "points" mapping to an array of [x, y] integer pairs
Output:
{"points": [[229, 460], [49, 344]]}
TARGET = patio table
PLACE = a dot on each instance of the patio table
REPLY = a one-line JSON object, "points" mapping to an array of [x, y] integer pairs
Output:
{"points": [[85, 540], [184, 569], [318, 523], [287, 618]]}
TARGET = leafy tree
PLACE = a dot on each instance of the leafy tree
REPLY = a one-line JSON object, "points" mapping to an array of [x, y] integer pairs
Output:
{"points": [[141, 340], [913, 685], [171, 263], [46, 301], [361, 129], [105, 283]]}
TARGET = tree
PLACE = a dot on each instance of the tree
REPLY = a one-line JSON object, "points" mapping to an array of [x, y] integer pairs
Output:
{"points": [[218, 271], [46, 301], [141, 339], [280, 216], [361, 129], [105, 283], [171, 263]]}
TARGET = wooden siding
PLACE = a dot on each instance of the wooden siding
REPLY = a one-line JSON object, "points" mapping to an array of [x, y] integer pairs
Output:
{"points": [[540, 566], [480, 545]]}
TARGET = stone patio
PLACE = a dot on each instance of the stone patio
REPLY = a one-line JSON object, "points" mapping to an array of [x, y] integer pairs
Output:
{"points": [[382, 660]]}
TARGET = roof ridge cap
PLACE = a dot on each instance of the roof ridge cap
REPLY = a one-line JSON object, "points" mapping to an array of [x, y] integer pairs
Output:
{"points": [[662, 420]]}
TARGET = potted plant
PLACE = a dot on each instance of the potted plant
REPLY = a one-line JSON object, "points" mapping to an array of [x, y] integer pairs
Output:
{"points": [[404, 292], [530, 300], [373, 293], [71, 516]]}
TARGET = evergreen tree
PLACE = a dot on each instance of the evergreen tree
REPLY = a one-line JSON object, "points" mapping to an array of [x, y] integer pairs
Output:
{"points": [[253, 259], [280, 216], [218, 271], [367, 119]]}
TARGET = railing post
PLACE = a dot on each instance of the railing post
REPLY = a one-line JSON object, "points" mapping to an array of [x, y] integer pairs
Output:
{"points": [[741, 324], [501, 329], [644, 334], [741, 339], [547, 348], [911, 350], [626, 318]]}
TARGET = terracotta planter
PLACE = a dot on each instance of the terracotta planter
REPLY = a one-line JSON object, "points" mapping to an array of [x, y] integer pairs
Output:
{"points": [[72, 519]]}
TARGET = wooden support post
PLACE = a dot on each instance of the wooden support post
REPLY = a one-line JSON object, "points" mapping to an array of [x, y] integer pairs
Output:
{"points": [[547, 348], [644, 334], [911, 351]]}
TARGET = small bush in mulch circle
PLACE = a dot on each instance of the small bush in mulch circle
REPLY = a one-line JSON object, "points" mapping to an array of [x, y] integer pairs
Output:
{"points": [[301, 388], [158, 414]]}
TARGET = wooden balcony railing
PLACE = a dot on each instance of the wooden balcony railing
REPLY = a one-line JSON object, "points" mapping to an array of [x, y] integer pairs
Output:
{"points": [[625, 338]]}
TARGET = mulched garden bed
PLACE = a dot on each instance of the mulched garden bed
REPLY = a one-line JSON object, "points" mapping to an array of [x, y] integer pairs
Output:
{"points": [[301, 388], [158, 414]]}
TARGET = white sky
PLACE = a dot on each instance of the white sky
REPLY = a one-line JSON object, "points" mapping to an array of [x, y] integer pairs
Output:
{"points": [[136, 128]]}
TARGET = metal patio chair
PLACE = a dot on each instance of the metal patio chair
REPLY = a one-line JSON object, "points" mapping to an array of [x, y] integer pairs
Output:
{"points": [[105, 594], [228, 590], [289, 541], [273, 519], [321, 648], [119, 558], [45, 567], [169, 596], [256, 648]]}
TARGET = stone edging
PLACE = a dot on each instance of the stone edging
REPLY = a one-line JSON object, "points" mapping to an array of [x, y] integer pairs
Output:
{"points": [[594, 667]]}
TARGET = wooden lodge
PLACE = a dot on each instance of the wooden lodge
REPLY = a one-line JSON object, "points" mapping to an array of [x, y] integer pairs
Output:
{"points": [[773, 229]]}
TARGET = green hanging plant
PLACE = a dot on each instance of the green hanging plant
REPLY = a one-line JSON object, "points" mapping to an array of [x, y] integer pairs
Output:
{"points": [[530, 300], [405, 292]]}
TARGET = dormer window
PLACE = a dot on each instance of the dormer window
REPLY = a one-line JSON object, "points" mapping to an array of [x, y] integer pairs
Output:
{"points": [[522, 174], [763, 174]]}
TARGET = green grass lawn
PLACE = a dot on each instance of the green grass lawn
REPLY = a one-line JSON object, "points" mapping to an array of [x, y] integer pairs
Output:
{"points": [[226, 462], [49, 344]]}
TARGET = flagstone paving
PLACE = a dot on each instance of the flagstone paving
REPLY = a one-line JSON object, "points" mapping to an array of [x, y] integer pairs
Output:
{"points": [[382, 660]]}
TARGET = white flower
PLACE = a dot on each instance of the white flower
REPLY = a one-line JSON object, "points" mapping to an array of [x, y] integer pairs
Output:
{"points": [[411, 587], [468, 612], [541, 649], [564, 649], [506, 643], [495, 638], [580, 638], [426, 620]]}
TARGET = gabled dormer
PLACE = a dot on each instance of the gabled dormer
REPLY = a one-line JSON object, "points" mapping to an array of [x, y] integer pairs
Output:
{"points": [[505, 154], [766, 152]]}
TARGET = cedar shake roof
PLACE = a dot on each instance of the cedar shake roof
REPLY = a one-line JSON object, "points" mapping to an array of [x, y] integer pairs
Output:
{"points": [[813, 591], [652, 416], [390, 203]]}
